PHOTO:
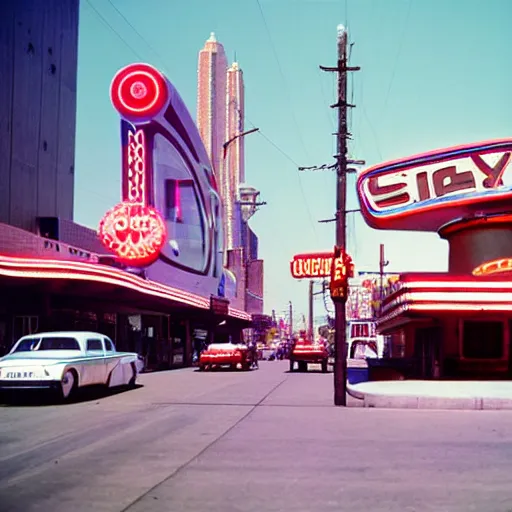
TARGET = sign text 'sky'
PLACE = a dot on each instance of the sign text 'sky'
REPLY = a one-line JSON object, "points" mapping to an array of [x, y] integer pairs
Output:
{"points": [[311, 265], [450, 181]]}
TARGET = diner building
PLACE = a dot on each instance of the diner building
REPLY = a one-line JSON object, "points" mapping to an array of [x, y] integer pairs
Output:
{"points": [[455, 324]]}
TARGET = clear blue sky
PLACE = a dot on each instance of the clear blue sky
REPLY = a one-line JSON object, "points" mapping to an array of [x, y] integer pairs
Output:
{"points": [[434, 73]]}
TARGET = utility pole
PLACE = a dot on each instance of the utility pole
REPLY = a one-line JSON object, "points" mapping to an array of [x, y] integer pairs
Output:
{"points": [[382, 264], [340, 322], [310, 329], [291, 322]]}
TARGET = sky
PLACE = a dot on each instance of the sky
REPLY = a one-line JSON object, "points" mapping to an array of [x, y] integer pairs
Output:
{"points": [[434, 73]]}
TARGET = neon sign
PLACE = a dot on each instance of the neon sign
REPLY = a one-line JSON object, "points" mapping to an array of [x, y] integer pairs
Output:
{"points": [[139, 92], [133, 230], [311, 265], [426, 191], [493, 267]]}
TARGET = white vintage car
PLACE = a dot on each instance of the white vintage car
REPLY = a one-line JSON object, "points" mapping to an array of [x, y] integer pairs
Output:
{"points": [[64, 361]]}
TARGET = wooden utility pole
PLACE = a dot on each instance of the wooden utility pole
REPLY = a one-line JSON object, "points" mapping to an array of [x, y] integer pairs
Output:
{"points": [[291, 322], [340, 322], [310, 329], [382, 264]]}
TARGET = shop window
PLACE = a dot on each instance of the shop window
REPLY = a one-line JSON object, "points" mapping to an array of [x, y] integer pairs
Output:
{"points": [[483, 340]]}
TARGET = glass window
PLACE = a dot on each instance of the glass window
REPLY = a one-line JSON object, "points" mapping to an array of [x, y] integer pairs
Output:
{"points": [[94, 345], [483, 340], [27, 345], [59, 343], [109, 346]]}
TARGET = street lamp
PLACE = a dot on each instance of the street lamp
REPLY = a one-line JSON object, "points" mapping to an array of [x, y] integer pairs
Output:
{"points": [[235, 137], [230, 197]]}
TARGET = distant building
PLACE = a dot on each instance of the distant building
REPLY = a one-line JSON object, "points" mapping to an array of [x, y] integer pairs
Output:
{"points": [[221, 105], [234, 169], [211, 102]]}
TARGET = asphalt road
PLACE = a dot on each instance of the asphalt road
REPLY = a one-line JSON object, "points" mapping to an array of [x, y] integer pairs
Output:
{"points": [[260, 441]]}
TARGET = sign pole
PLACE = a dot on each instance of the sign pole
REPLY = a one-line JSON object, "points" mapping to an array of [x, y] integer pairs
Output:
{"points": [[310, 327], [340, 323]]}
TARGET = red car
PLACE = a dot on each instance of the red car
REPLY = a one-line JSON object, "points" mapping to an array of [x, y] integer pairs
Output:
{"points": [[226, 354]]}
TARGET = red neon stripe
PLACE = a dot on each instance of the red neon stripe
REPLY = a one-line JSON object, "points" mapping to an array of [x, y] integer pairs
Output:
{"points": [[65, 269]]}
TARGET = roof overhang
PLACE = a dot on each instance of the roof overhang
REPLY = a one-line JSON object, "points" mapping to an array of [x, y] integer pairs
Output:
{"points": [[420, 295], [40, 269]]}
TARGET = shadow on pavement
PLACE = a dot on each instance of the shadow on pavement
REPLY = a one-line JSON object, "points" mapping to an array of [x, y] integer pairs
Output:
{"points": [[36, 398], [223, 369]]}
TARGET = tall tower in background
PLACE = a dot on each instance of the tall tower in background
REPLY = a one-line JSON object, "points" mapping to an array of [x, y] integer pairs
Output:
{"points": [[234, 168], [220, 119], [211, 102]]}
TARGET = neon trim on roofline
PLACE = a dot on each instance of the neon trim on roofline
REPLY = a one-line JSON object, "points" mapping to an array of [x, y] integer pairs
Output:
{"points": [[402, 286], [447, 297], [76, 270], [107, 271], [446, 306]]}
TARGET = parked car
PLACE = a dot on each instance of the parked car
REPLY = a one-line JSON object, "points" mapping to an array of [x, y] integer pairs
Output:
{"points": [[226, 354], [65, 361]]}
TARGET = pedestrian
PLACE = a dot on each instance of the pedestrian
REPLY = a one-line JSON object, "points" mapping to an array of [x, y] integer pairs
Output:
{"points": [[254, 352]]}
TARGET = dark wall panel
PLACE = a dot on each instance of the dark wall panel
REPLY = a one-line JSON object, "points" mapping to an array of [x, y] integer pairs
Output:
{"points": [[26, 112], [67, 109], [6, 78], [49, 143], [38, 68]]}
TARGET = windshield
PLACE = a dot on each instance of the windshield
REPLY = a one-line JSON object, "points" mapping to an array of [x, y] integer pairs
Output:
{"points": [[54, 343], [27, 344]]}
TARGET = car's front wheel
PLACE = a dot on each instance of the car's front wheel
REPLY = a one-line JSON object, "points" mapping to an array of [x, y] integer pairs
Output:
{"points": [[133, 381], [67, 384]]}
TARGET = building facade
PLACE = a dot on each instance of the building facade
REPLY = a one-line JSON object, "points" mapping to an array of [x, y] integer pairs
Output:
{"points": [[455, 324], [38, 80], [58, 275]]}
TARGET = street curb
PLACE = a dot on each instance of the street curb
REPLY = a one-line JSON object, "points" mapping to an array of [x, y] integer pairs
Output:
{"points": [[411, 401]]}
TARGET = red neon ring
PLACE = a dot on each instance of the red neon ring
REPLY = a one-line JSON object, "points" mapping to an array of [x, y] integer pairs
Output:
{"points": [[138, 90]]}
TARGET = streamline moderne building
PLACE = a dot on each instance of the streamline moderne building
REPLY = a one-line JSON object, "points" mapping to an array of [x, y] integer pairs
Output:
{"points": [[153, 280], [456, 324]]}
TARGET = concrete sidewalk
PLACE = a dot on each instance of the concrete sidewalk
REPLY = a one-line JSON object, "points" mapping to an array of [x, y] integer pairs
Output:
{"points": [[422, 394]]}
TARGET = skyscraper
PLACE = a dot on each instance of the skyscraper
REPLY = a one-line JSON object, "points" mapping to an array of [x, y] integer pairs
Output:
{"points": [[234, 169], [220, 119], [211, 101]]}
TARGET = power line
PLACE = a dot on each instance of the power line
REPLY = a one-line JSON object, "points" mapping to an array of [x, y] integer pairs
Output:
{"points": [[303, 193], [137, 32], [288, 96], [294, 119], [374, 133], [400, 45], [108, 25]]}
